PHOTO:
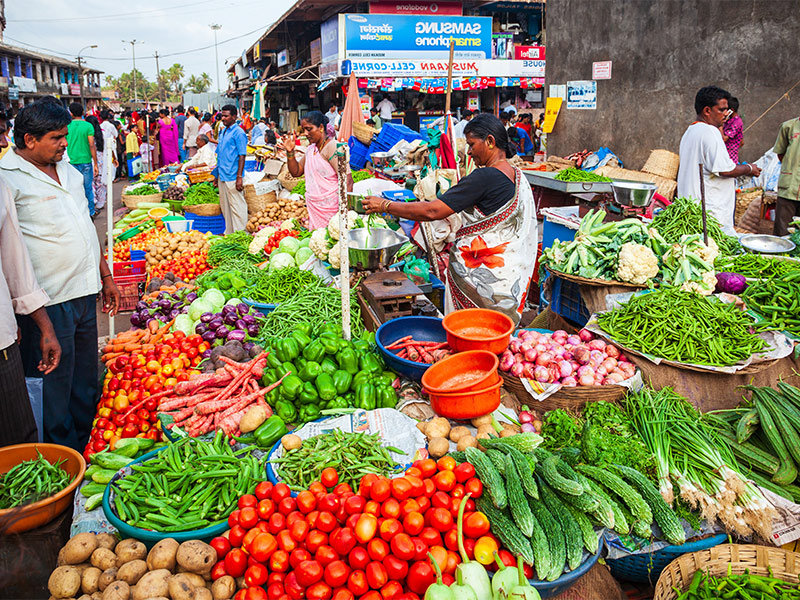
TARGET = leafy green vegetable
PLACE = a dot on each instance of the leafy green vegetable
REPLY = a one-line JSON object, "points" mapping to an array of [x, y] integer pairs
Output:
{"points": [[201, 193], [560, 430], [142, 190]]}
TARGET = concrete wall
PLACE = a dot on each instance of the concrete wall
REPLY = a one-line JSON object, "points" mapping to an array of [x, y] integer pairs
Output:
{"points": [[663, 51]]}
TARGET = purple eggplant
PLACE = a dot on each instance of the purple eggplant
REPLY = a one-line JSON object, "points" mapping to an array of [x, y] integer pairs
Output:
{"points": [[240, 324], [201, 328], [252, 330], [206, 317], [184, 310], [206, 353], [141, 305], [209, 336], [237, 335], [230, 319], [214, 323], [247, 346], [162, 295], [222, 332], [258, 315], [174, 313], [227, 309], [136, 320], [242, 309], [249, 320], [190, 297]]}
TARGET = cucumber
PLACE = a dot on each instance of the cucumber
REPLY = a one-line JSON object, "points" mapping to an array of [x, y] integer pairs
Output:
{"points": [[94, 501], [128, 450], [103, 476], [90, 489], [109, 460], [489, 476], [91, 470]]}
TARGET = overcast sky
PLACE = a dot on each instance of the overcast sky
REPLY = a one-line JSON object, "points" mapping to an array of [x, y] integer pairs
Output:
{"points": [[63, 27]]}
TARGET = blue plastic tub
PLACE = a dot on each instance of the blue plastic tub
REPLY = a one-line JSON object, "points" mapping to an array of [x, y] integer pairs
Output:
{"points": [[399, 195], [215, 225], [423, 329], [251, 164], [550, 589], [138, 255], [264, 308], [359, 153]]}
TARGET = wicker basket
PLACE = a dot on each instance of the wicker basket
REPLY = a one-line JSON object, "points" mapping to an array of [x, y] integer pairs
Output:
{"points": [[204, 210], [257, 202], [566, 397], [132, 200], [287, 180], [364, 133], [663, 163], [757, 560], [665, 187], [200, 176]]}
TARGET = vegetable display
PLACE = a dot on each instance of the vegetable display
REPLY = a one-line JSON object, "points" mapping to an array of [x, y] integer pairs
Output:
{"points": [[705, 586], [143, 189], [191, 484], [31, 481], [163, 308], [569, 360], [187, 266], [573, 174], [777, 302], [353, 455], [276, 212], [683, 327], [200, 193], [684, 217], [218, 321], [758, 266], [234, 246], [282, 285]]}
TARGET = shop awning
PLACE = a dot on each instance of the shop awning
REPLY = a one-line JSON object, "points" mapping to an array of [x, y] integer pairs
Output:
{"points": [[308, 74]]}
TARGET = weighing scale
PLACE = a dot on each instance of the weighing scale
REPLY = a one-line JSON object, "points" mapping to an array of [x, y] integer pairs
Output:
{"points": [[389, 294], [627, 199]]}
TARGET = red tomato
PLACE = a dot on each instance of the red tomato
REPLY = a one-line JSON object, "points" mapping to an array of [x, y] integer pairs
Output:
{"points": [[308, 572], [451, 539], [317, 488], [427, 467], [446, 463], [277, 523], [236, 535], [417, 485], [403, 547], [358, 559], [276, 577], [326, 521], [452, 562], [329, 477], [279, 561], [401, 488], [319, 591], [336, 573], [342, 489], [474, 487], [392, 590], [390, 509], [457, 491], [440, 500], [389, 528], [475, 525], [464, 472], [357, 583], [325, 555], [297, 556], [396, 569], [372, 508], [420, 549], [306, 502], [430, 536], [343, 540], [343, 594], [380, 490], [354, 505], [311, 518], [366, 527], [286, 541], [249, 537], [376, 575], [287, 505], [294, 590], [315, 539], [298, 530], [329, 502], [263, 490], [441, 519], [255, 593], [248, 517], [256, 575], [409, 505], [222, 545], [413, 523], [218, 570], [377, 549], [235, 562], [424, 503], [444, 480], [275, 591], [365, 486], [280, 491], [265, 508]]}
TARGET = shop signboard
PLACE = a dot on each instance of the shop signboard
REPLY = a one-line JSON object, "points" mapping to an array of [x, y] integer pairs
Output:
{"points": [[408, 7], [316, 51], [529, 52], [283, 57], [601, 70], [25, 84], [13, 92], [329, 37], [582, 95], [65, 89], [257, 52], [329, 70], [438, 68], [374, 36], [551, 110], [75, 89]]}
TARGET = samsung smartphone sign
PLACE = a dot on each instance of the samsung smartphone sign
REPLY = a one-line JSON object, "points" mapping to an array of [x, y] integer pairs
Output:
{"points": [[376, 36]]}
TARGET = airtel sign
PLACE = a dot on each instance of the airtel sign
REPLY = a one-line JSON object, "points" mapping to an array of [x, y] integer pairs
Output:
{"points": [[447, 7], [529, 52]]}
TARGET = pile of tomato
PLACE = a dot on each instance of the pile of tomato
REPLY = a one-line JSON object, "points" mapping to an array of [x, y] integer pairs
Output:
{"points": [[274, 240], [188, 266], [130, 381], [330, 542], [141, 241]]}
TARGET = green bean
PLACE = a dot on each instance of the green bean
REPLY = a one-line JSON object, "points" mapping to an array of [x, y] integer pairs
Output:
{"points": [[31, 481], [684, 217], [579, 175], [282, 285], [777, 302]]}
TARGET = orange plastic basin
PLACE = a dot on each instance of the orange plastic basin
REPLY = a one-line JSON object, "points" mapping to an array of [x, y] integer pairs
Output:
{"points": [[462, 372], [31, 516], [466, 404], [478, 329]]}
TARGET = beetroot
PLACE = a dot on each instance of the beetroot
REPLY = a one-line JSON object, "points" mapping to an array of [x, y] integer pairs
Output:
{"points": [[730, 283]]}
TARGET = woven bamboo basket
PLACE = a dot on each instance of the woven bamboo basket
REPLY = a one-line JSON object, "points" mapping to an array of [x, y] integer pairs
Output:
{"points": [[663, 163], [257, 202], [665, 187], [287, 180], [566, 397], [204, 210], [200, 176], [757, 560], [132, 200], [364, 133]]}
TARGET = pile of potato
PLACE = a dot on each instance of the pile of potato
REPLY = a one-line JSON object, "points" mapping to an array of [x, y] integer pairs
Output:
{"points": [[173, 245], [97, 567], [279, 210], [440, 433]]}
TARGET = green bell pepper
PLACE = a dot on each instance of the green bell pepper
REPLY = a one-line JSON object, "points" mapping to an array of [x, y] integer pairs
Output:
{"points": [[224, 282], [385, 378], [362, 377], [304, 327], [270, 431], [330, 344], [287, 349], [300, 362], [310, 371], [365, 396], [368, 336], [309, 413], [328, 365], [308, 395], [369, 362], [342, 381], [286, 410], [348, 361], [314, 351], [337, 403], [288, 367], [291, 387], [330, 329], [237, 282], [273, 396], [361, 346], [301, 338], [325, 386], [268, 378], [273, 362], [385, 396]]}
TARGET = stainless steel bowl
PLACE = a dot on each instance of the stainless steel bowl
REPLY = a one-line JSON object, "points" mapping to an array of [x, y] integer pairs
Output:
{"points": [[767, 244], [380, 160], [633, 193], [374, 248], [356, 202]]}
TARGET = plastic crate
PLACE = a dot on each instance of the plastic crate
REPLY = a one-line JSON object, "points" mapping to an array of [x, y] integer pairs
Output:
{"points": [[566, 301], [390, 134], [647, 567], [130, 289], [251, 164], [555, 231], [165, 180], [131, 267], [215, 225], [359, 153], [137, 255]]}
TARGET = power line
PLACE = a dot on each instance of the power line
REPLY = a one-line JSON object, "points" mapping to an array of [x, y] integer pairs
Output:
{"points": [[111, 17]]}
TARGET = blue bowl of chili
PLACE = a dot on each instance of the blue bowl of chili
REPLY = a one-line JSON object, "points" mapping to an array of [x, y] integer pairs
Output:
{"points": [[423, 329]]}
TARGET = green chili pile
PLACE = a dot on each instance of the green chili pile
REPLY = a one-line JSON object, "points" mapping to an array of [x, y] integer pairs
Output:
{"points": [[684, 217], [282, 285], [757, 266], [579, 175], [352, 454], [191, 484], [201, 193], [777, 301], [142, 190], [31, 481], [224, 249], [746, 585], [683, 327]]}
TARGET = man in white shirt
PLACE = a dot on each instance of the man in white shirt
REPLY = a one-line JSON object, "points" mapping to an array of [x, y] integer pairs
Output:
{"points": [[333, 116], [257, 133], [702, 144], [190, 129], [206, 154], [110, 133], [386, 108], [458, 130], [62, 242]]}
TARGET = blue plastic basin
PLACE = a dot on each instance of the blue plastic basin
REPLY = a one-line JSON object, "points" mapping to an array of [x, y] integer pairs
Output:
{"points": [[422, 329]]}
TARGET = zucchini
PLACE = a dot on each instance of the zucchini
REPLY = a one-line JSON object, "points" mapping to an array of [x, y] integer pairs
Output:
{"points": [[520, 511], [524, 442], [591, 541], [525, 472], [109, 460], [747, 425], [548, 470], [664, 516], [103, 476], [573, 537], [753, 456], [127, 447], [94, 501], [498, 460], [616, 485], [90, 470], [787, 472], [620, 522], [789, 436], [90, 489], [504, 528], [489, 476], [555, 539]]}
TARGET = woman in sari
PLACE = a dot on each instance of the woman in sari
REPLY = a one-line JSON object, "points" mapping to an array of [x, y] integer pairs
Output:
{"points": [[98, 182], [492, 259], [319, 167], [167, 134]]}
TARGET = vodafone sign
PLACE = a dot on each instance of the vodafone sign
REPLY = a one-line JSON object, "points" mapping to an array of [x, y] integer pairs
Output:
{"points": [[447, 8]]}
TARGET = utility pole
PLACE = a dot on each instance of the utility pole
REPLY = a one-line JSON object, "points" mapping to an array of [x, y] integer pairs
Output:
{"points": [[216, 27], [133, 50], [80, 71], [158, 79]]}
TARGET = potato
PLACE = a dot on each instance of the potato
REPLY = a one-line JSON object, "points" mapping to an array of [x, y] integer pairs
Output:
{"points": [[103, 559], [130, 549], [202, 593], [61, 560], [132, 571], [437, 427], [456, 433], [64, 582], [196, 556], [291, 441], [253, 419], [82, 567], [482, 436], [85, 597], [97, 596], [108, 577], [487, 429], [421, 425], [162, 555], [484, 420], [119, 590], [79, 548], [195, 579], [106, 540], [154, 583], [468, 441], [507, 433], [223, 588], [438, 447], [180, 588], [90, 580]]}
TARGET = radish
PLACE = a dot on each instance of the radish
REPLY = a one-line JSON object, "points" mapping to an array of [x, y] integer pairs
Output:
{"points": [[525, 417]]}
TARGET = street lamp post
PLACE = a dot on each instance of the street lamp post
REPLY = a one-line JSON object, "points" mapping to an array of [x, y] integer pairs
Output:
{"points": [[80, 70], [216, 27], [133, 50]]}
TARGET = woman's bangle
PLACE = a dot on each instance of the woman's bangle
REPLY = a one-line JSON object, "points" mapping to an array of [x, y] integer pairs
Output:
{"points": [[290, 154], [385, 207], [749, 166], [106, 275]]}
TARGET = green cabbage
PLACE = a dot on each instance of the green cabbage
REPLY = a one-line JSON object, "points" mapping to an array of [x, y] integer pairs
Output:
{"points": [[183, 323], [302, 255], [200, 306], [280, 260], [289, 245], [215, 298]]}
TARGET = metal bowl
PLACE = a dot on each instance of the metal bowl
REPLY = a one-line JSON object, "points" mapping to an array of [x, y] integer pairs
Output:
{"points": [[633, 193], [374, 248], [356, 202], [767, 244], [380, 160]]}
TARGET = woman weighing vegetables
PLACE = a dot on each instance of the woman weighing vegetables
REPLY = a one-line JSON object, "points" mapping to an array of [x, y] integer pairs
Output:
{"points": [[319, 167], [492, 259]]}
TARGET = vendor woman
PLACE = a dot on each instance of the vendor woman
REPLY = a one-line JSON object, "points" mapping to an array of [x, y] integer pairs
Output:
{"points": [[319, 167], [492, 259]]}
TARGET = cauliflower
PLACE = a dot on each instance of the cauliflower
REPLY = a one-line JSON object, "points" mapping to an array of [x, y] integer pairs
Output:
{"points": [[289, 224], [260, 239], [705, 287], [333, 224], [637, 264], [707, 253], [319, 244], [333, 256]]}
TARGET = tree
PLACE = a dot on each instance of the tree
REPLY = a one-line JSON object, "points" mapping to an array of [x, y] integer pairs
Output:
{"points": [[198, 84], [124, 84]]}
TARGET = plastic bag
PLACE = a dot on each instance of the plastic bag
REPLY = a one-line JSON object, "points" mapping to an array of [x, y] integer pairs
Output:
{"points": [[35, 387], [417, 270]]}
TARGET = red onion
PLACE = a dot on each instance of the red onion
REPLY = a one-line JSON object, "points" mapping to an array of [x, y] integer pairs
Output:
{"points": [[573, 340], [597, 345], [528, 428], [540, 347], [586, 380], [597, 356], [506, 361], [515, 345], [585, 371], [601, 370], [566, 368], [541, 374], [610, 364], [530, 354], [586, 335], [519, 358], [555, 372], [569, 382], [517, 370], [581, 354], [544, 359], [612, 351], [528, 370], [525, 417]]}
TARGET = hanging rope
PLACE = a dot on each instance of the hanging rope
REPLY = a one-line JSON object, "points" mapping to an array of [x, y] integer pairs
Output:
{"points": [[784, 95]]}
